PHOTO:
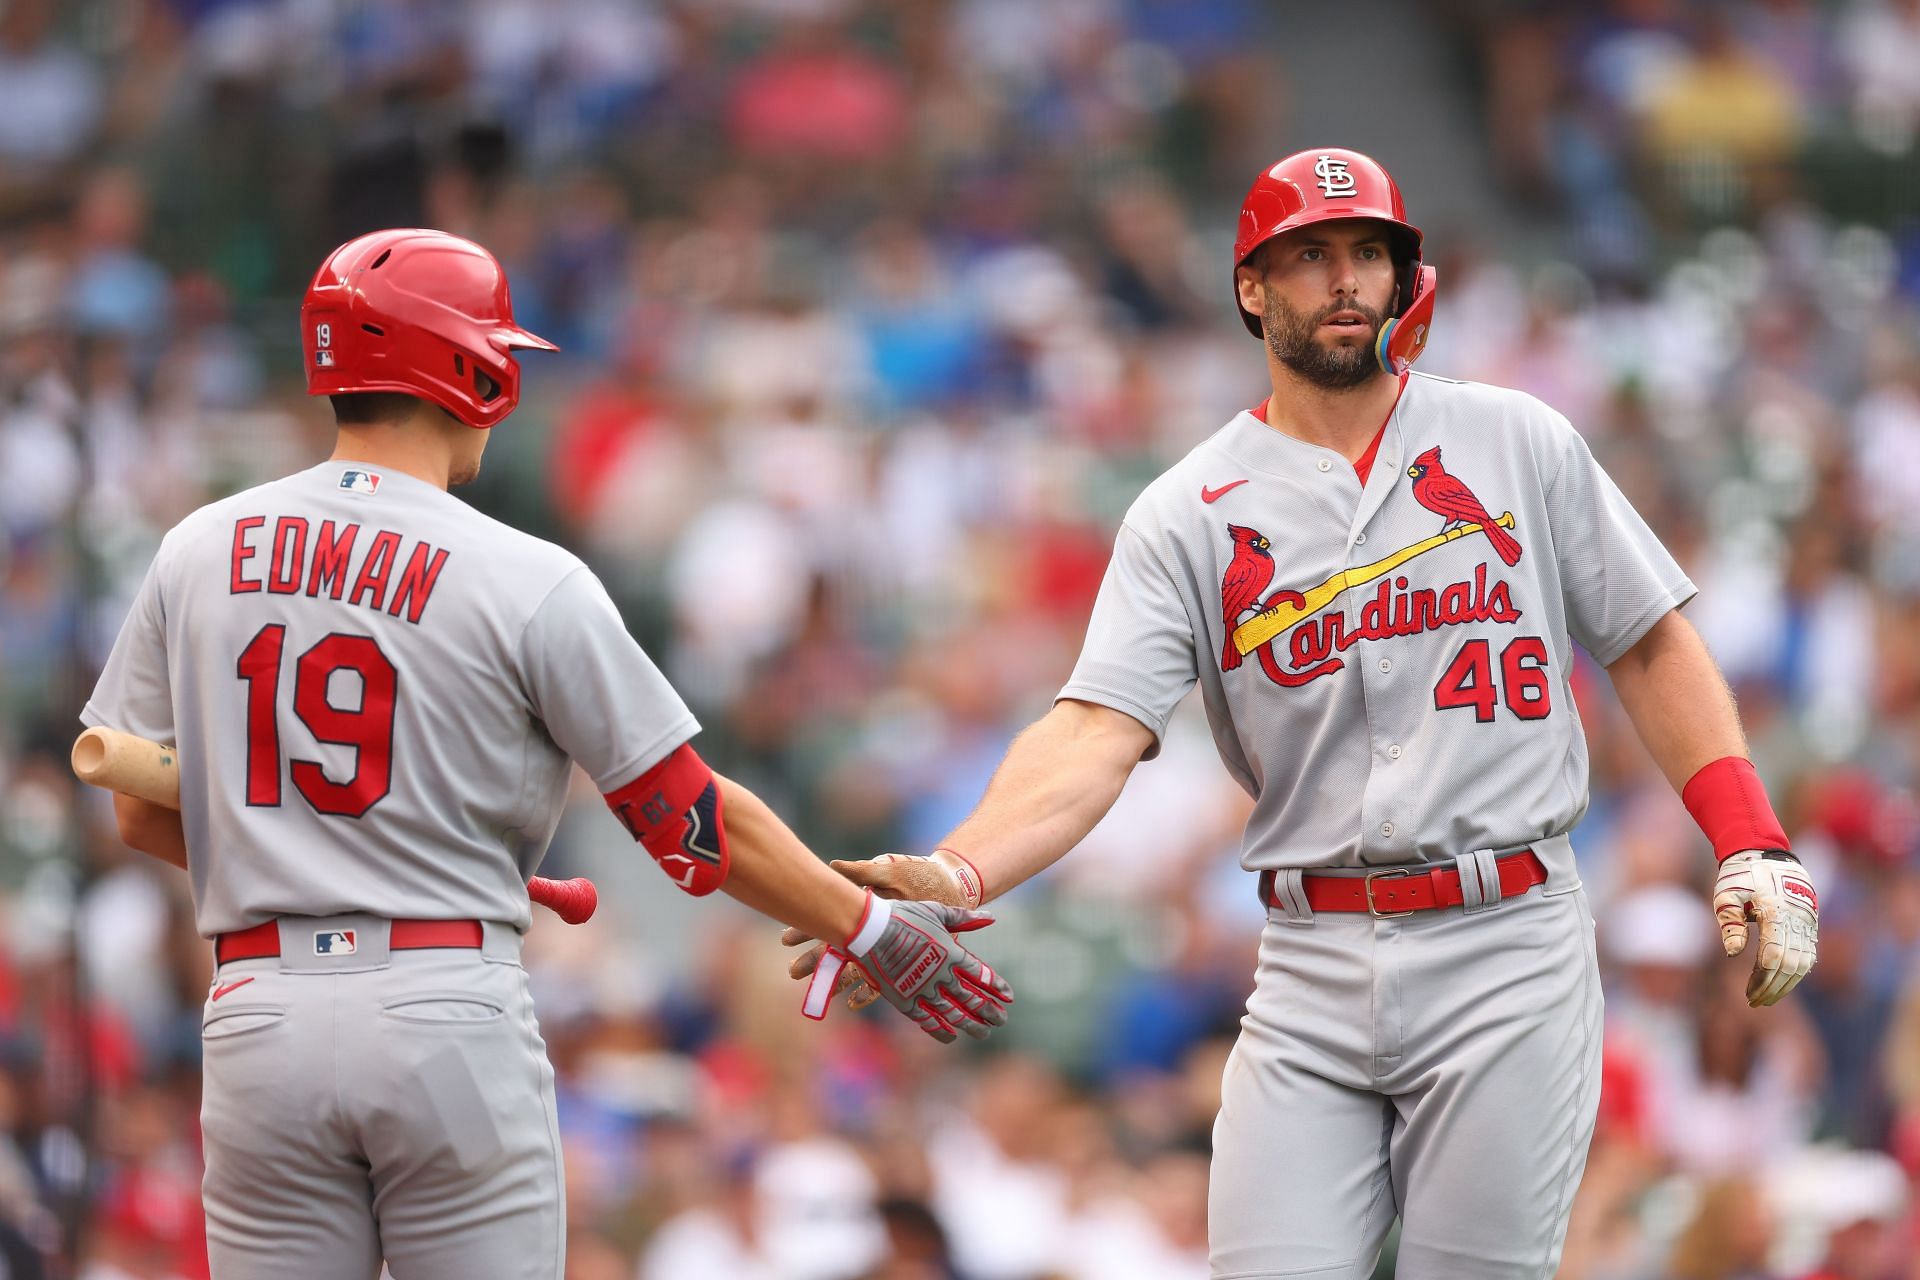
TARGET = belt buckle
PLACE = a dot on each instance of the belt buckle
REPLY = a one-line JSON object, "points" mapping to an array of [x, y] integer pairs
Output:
{"points": [[1373, 909]]}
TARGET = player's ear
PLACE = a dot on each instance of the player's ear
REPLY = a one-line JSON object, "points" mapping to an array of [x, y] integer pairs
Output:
{"points": [[1250, 282]]}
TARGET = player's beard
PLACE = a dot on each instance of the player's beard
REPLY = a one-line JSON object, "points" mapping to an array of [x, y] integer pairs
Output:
{"points": [[1293, 339]]}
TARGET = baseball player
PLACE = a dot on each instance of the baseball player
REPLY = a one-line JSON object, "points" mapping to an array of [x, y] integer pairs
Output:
{"points": [[377, 692], [1377, 578]]}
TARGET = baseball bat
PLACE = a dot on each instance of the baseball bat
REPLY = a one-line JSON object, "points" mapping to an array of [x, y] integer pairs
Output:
{"points": [[133, 766]]}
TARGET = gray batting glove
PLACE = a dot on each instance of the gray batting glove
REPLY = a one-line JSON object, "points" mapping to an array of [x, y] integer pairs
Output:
{"points": [[943, 876], [908, 953], [1770, 889]]}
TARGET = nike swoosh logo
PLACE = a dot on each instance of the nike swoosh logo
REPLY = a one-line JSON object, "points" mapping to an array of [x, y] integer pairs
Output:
{"points": [[231, 986], [1214, 495]]}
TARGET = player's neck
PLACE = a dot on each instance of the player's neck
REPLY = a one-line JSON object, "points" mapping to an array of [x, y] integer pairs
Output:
{"points": [[415, 453], [1345, 421]]}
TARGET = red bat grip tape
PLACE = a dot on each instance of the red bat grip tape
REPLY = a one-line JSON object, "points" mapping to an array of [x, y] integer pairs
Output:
{"points": [[572, 900]]}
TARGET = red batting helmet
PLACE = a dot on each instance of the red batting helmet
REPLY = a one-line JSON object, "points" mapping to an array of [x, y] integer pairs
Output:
{"points": [[420, 312], [1320, 186]]}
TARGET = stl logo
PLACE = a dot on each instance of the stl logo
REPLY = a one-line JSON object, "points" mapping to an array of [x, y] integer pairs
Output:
{"points": [[334, 942], [367, 482], [1335, 181]]}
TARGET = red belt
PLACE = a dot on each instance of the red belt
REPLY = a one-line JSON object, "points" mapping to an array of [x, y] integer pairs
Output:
{"points": [[404, 935], [1401, 891]]}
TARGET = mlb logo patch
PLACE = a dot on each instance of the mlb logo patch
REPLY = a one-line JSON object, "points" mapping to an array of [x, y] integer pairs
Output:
{"points": [[333, 942], [323, 359], [367, 482]]}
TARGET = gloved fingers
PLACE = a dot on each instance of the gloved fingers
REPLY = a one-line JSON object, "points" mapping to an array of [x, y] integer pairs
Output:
{"points": [[864, 993], [1772, 974], [960, 919], [1766, 986], [793, 937], [953, 1008], [1730, 908], [1801, 951], [979, 1002], [884, 873], [902, 876], [1770, 932], [930, 1020], [978, 973]]}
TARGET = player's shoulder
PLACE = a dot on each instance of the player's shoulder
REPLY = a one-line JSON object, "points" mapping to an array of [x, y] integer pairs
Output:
{"points": [[515, 553], [1206, 472], [1482, 406], [215, 519]]}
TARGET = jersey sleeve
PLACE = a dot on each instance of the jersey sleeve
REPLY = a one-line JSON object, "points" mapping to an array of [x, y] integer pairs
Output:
{"points": [[1617, 578], [602, 699], [1139, 653], [134, 693]]}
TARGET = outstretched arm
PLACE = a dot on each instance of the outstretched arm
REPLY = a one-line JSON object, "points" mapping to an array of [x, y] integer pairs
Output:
{"points": [[1058, 780], [775, 874], [708, 832]]}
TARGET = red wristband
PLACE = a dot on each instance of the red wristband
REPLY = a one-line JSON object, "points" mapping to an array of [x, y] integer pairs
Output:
{"points": [[1728, 801]]}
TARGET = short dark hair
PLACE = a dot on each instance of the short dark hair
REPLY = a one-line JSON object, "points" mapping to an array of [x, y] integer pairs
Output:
{"points": [[358, 408]]}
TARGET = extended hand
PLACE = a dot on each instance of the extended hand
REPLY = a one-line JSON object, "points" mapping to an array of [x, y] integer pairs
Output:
{"points": [[1770, 889], [908, 953], [943, 877]]}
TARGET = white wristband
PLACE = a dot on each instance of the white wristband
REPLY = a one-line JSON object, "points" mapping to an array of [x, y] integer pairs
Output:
{"points": [[872, 925]]}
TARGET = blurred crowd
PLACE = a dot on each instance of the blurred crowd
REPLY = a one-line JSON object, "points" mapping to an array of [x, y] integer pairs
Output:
{"points": [[875, 317]]}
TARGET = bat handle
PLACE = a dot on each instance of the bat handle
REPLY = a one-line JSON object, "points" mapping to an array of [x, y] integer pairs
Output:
{"points": [[572, 900]]}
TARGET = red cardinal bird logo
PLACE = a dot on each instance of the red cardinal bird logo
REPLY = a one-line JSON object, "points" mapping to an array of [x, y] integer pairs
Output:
{"points": [[1444, 495], [1247, 576]]}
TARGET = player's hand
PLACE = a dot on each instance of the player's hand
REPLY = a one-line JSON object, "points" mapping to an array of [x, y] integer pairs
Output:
{"points": [[920, 967], [1771, 891], [943, 877]]}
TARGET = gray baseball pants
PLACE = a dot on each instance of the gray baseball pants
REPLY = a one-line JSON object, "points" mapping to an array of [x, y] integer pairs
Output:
{"points": [[1443, 1067], [374, 1105]]}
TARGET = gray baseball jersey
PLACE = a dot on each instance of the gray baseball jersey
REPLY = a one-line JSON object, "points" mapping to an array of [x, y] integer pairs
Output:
{"points": [[376, 690], [1385, 666]]}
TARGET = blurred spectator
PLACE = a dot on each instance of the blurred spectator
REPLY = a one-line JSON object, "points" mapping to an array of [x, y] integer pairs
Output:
{"points": [[50, 93]]}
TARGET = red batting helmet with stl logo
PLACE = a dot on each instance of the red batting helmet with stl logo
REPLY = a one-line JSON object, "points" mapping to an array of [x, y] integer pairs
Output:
{"points": [[1322, 185], [419, 312]]}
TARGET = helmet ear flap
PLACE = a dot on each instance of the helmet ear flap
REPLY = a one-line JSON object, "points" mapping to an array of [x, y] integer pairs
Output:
{"points": [[1404, 337]]}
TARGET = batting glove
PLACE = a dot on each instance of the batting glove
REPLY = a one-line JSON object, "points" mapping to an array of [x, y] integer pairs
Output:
{"points": [[1770, 889], [908, 954], [944, 876]]}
